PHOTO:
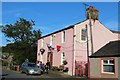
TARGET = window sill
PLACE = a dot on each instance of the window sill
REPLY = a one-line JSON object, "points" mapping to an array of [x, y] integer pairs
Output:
{"points": [[108, 73], [83, 40]]}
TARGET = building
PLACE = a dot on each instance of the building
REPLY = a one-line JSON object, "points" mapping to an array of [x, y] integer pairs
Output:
{"points": [[74, 44], [105, 63]]}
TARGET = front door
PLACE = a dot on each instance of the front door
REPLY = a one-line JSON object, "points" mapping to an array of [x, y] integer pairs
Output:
{"points": [[50, 57]]}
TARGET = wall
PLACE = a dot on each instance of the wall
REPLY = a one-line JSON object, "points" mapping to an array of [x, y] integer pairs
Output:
{"points": [[119, 68], [66, 47], [100, 34], [96, 68]]}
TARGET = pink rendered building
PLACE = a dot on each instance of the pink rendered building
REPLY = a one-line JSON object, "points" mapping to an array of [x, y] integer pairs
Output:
{"points": [[72, 44]]}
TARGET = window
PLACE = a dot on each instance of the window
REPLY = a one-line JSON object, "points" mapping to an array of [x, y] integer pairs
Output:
{"points": [[31, 65], [83, 34], [108, 66], [51, 39], [62, 57], [63, 36]]}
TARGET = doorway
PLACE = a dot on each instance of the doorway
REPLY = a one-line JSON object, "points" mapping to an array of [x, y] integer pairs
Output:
{"points": [[50, 58]]}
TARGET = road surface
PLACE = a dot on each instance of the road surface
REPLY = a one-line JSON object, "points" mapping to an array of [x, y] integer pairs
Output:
{"points": [[16, 75]]}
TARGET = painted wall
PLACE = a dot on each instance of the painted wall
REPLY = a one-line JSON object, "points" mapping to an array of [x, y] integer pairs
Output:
{"points": [[74, 48], [66, 47], [100, 34], [119, 68], [96, 68]]}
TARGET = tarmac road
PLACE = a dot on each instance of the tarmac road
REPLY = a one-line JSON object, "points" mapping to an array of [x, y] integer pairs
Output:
{"points": [[16, 75]]}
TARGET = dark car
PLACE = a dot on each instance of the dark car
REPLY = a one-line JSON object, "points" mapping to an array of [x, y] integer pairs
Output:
{"points": [[30, 68]]}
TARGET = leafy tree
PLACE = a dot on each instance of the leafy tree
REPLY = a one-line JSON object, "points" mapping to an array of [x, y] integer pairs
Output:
{"points": [[23, 40]]}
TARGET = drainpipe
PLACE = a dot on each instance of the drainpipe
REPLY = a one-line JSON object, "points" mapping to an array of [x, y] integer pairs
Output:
{"points": [[91, 41], [91, 37], [73, 53], [73, 61], [88, 66]]}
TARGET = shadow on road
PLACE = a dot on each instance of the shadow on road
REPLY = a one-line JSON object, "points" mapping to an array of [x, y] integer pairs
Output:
{"points": [[3, 76]]}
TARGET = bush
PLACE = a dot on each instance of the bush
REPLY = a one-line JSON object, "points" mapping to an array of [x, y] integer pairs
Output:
{"points": [[4, 63], [65, 62], [61, 67], [54, 68], [66, 69]]}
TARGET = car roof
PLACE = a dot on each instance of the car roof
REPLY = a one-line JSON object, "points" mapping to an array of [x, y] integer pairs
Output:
{"points": [[28, 63]]}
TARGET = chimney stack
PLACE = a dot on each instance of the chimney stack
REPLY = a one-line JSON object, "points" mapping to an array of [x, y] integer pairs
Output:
{"points": [[92, 13]]}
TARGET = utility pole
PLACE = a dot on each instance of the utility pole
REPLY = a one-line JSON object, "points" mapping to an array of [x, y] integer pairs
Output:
{"points": [[91, 39], [90, 24], [88, 71]]}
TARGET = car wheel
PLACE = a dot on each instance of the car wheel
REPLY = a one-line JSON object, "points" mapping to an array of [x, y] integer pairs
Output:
{"points": [[41, 72], [27, 72], [21, 71]]}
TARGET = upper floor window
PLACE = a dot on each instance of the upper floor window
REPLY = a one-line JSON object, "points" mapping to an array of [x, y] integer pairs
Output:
{"points": [[51, 39], [63, 36], [83, 34], [108, 66]]}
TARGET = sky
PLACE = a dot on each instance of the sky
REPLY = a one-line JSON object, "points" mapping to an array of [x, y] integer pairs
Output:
{"points": [[53, 16]]}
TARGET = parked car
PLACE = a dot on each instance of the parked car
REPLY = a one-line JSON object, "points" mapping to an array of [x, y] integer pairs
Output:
{"points": [[30, 68]]}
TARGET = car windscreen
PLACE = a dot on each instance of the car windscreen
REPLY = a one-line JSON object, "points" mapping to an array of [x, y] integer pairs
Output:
{"points": [[31, 65]]}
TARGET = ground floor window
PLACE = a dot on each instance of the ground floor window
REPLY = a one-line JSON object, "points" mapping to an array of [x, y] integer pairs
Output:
{"points": [[62, 57], [108, 66]]}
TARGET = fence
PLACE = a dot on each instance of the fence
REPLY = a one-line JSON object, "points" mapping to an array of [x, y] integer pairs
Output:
{"points": [[81, 68]]}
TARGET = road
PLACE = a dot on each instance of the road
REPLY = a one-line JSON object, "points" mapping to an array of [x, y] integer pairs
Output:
{"points": [[16, 74], [11, 75]]}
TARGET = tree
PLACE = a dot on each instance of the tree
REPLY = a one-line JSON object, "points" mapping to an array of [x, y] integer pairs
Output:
{"points": [[23, 39]]}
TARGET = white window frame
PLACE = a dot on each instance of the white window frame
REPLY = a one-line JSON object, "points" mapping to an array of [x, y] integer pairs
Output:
{"points": [[62, 57], [51, 39], [63, 36], [82, 34], [108, 64]]}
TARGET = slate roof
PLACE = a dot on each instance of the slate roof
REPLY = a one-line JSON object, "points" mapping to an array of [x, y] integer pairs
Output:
{"points": [[71, 26], [112, 49], [115, 31]]}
